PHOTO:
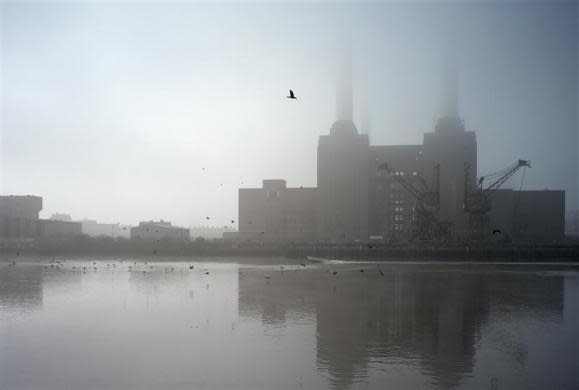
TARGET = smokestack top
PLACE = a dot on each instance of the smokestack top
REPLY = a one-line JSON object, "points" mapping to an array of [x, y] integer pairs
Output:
{"points": [[344, 98], [451, 70], [344, 124]]}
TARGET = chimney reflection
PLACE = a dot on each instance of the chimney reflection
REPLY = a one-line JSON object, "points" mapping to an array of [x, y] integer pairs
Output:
{"points": [[432, 319]]}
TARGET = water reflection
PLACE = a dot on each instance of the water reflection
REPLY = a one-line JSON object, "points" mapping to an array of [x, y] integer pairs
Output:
{"points": [[20, 288], [430, 317], [164, 325]]}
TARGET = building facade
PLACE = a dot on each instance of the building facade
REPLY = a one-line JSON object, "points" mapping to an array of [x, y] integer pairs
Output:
{"points": [[276, 213], [55, 229], [159, 230], [19, 216], [93, 228], [343, 184], [391, 207]]}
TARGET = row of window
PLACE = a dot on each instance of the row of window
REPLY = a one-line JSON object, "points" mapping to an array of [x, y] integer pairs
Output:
{"points": [[402, 173]]}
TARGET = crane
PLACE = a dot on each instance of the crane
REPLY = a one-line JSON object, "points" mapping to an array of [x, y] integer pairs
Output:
{"points": [[478, 203], [427, 224]]}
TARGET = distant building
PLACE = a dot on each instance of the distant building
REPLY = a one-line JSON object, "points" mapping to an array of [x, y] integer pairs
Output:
{"points": [[356, 201], [454, 149], [210, 232], [94, 229], [156, 230], [572, 223], [276, 213], [61, 217], [232, 235], [343, 184], [342, 214], [19, 216], [51, 228]]}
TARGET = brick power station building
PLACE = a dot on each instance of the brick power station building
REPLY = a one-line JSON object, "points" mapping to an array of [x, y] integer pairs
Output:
{"points": [[356, 201]]}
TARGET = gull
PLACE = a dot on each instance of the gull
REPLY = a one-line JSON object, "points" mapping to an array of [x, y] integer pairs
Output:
{"points": [[291, 95]]}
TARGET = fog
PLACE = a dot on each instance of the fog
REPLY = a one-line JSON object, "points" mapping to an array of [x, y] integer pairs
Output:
{"points": [[130, 111]]}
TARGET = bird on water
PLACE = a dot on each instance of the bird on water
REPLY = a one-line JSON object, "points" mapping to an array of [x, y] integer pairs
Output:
{"points": [[291, 95]]}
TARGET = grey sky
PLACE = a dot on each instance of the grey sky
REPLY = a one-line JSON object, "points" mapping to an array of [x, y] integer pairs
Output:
{"points": [[112, 110]]}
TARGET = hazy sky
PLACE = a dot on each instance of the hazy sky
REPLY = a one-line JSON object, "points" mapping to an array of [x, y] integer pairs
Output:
{"points": [[113, 110]]}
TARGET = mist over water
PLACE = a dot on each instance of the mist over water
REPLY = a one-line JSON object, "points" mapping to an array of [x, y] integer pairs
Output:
{"points": [[248, 323]]}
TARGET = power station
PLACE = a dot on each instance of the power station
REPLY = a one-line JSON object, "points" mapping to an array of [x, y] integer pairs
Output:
{"points": [[399, 193]]}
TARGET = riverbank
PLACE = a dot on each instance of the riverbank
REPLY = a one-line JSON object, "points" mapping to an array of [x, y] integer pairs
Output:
{"points": [[103, 247]]}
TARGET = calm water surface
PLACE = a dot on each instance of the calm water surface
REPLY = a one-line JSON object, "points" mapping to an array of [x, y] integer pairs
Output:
{"points": [[250, 324]]}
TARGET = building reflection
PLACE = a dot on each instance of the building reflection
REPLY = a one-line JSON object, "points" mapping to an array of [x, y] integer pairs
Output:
{"points": [[21, 287], [149, 281], [273, 299], [428, 318], [431, 318]]}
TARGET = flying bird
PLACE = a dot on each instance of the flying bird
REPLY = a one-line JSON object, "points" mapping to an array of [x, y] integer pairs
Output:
{"points": [[291, 95]]}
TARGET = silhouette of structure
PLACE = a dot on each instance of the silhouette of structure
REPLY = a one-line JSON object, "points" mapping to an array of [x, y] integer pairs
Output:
{"points": [[95, 229], [19, 219], [158, 230], [19, 216], [50, 228], [211, 232], [357, 201], [276, 213], [572, 223], [61, 217]]}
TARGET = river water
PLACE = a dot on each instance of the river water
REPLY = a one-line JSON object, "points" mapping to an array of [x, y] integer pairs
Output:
{"points": [[275, 324]]}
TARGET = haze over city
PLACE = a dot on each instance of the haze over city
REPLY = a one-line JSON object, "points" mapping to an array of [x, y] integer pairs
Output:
{"points": [[124, 112], [319, 195]]}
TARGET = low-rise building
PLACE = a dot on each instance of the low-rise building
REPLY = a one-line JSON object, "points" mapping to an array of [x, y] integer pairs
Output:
{"points": [[19, 216], [210, 232], [572, 223], [51, 228], [276, 213], [61, 217], [156, 230], [93, 228]]}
